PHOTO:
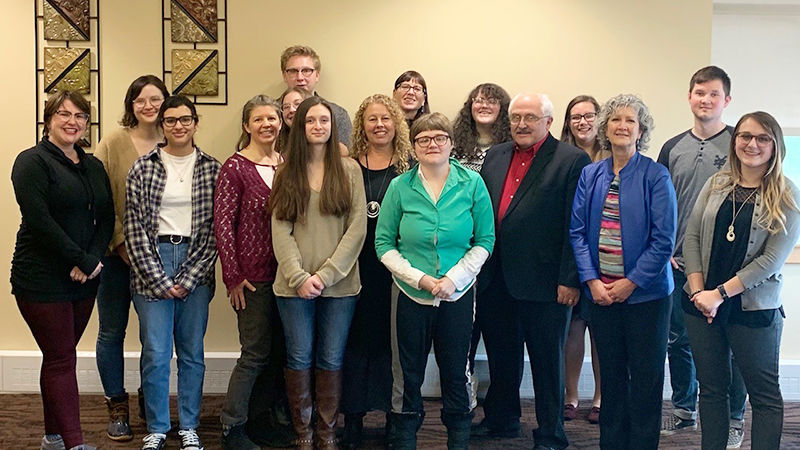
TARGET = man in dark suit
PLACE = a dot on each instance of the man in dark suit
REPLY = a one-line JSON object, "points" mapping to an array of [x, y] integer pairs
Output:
{"points": [[528, 286]]}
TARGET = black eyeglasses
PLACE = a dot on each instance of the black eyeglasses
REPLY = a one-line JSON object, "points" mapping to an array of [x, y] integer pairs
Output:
{"points": [[79, 117], [184, 120], [425, 141], [590, 116], [762, 140], [306, 71]]}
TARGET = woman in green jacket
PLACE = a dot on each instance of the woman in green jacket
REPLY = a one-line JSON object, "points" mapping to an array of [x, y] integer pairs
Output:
{"points": [[434, 232]]}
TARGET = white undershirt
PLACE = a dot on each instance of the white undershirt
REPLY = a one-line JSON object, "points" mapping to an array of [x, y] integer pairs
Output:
{"points": [[266, 172], [175, 215]]}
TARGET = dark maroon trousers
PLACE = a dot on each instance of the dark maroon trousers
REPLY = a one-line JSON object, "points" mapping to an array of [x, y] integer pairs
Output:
{"points": [[57, 328]]}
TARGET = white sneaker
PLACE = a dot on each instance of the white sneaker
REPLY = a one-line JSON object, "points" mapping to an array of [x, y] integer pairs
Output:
{"points": [[154, 441], [190, 440], [735, 438]]}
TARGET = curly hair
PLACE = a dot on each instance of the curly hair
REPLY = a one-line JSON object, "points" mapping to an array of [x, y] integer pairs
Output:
{"points": [[633, 101], [465, 131], [776, 194], [401, 144]]}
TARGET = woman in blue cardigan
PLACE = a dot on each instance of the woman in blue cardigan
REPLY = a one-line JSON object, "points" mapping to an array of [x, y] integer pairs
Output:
{"points": [[623, 232], [434, 232]]}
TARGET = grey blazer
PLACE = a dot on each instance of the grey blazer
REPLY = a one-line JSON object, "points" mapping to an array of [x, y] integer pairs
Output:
{"points": [[766, 253]]}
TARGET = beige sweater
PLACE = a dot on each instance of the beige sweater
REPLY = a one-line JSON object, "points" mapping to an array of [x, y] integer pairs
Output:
{"points": [[325, 245], [117, 152]]}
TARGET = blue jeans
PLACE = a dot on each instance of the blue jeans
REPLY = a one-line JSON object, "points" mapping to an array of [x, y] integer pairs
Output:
{"points": [[323, 322], [757, 353], [683, 377], [162, 321], [113, 304]]}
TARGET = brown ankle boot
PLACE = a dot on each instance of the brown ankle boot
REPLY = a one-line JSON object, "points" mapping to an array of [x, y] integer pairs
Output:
{"points": [[329, 392], [298, 389], [119, 428]]}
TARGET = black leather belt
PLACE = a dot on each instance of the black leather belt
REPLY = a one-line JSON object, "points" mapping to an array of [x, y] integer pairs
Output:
{"points": [[173, 239]]}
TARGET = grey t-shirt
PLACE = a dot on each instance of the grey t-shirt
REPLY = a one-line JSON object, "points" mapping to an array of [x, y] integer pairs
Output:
{"points": [[691, 161]]}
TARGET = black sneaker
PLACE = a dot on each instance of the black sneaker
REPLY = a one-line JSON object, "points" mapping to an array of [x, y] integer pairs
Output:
{"points": [[483, 431], [235, 438], [674, 424], [154, 441]]}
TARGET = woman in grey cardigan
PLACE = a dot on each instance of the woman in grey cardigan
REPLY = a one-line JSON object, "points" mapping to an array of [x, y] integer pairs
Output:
{"points": [[742, 228]]}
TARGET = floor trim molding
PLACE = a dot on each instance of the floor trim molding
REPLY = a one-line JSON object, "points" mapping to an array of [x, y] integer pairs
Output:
{"points": [[19, 372]]}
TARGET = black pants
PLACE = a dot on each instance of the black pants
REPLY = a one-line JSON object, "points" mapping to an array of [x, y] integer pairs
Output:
{"points": [[506, 324], [414, 327], [631, 344]]}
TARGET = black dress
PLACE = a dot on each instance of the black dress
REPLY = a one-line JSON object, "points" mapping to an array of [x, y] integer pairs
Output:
{"points": [[367, 369]]}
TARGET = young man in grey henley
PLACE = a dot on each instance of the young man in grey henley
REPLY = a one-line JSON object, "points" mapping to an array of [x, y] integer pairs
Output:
{"points": [[692, 157]]}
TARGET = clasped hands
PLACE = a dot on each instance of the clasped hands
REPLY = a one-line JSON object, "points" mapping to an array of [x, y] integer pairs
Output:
{"points": [[441, 288], [77, 274], [311, 288], [604, 294], [707, 302]]}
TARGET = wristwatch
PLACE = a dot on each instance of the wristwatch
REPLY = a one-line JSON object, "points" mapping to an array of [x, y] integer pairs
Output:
{"points": [[722, 292]]}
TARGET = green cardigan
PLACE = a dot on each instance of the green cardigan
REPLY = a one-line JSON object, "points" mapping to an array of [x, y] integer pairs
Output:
{"points": [[434, 237]]}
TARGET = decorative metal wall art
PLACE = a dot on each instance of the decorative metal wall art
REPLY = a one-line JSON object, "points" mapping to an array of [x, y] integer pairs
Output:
{"points": [[195, 56], [67, 41]]}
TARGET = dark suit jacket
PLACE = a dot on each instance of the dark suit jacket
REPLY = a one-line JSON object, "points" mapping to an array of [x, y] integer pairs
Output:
{"points": [[532, 247]]}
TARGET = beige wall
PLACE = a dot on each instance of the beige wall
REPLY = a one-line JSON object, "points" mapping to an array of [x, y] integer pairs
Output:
{"points": [[561, 48]]}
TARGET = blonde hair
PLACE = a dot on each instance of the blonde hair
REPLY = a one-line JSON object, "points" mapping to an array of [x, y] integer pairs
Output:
{"points": [[776, 195], [401, 144]]}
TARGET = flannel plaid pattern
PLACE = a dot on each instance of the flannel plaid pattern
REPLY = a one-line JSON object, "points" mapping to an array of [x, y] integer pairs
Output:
{"points": [[143, 193]]}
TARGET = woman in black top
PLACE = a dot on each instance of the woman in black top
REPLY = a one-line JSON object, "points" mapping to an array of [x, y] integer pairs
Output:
{"points": [[67, 221], [381, 145]]}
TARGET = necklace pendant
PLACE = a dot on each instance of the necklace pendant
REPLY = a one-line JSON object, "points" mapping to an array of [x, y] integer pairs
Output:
{"points": [[731, 236], [373, 209]]}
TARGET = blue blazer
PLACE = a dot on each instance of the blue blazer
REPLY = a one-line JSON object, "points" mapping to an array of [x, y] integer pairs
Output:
{"points": [[648, 221]]}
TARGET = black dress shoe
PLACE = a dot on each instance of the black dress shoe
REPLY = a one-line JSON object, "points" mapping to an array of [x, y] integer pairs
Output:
{"points": [[483, 430]]}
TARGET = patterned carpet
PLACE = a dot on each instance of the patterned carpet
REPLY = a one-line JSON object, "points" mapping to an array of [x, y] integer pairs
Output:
{"points": [[21, 427]]}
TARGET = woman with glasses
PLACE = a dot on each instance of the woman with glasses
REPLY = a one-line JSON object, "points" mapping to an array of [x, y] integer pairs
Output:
{"points": [[318, 225], [381, 146], [481, 123], [579, 130], [290, 100], [741, 231], [434, 232], [411, 93], [622, 233], [168, 233], [67, 221], [118, 150]]}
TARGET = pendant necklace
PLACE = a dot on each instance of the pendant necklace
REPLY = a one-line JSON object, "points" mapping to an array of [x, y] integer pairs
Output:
{"points": [[731, 236], [373, 207]]}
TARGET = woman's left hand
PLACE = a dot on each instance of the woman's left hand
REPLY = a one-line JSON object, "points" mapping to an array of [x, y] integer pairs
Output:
{"points": [[444, 288], [707, 302], [620, 290], [77, 274]]}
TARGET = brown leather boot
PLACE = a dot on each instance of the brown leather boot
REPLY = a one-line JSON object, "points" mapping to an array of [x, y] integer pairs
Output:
{"points": [[298, 389], [329, 392]]}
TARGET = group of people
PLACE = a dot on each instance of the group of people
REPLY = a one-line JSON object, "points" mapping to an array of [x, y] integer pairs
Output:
{"points": [[349, 249]]}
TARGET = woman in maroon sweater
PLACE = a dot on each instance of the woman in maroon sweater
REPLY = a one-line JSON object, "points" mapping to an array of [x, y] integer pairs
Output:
{"points": [[244, 241]]}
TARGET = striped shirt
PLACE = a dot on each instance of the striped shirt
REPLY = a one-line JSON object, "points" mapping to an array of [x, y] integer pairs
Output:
{"points": [[610, 244], [144, 191]]}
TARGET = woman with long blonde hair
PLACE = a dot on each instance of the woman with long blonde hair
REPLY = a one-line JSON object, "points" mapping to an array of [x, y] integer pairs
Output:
{"points": [[742, 228]]}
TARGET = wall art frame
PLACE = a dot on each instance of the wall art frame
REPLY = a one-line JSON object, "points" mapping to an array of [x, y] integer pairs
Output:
{"points": [[67, 43]]}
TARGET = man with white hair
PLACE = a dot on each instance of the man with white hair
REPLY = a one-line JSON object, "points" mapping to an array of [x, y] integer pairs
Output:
{"points": [[528, 286]]}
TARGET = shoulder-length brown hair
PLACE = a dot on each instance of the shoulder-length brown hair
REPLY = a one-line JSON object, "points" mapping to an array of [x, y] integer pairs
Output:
{"points": [[597, 152], [283, 137], [291, 191], [401, 144]]}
